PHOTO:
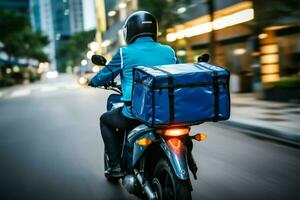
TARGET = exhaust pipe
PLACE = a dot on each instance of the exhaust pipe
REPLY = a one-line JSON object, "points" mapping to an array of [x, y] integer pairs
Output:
{"points": [[145, 185]]}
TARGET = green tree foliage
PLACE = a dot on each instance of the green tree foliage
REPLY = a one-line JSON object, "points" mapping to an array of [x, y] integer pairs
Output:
{"points": [[17, 38], [34, 42], [74, 49]]}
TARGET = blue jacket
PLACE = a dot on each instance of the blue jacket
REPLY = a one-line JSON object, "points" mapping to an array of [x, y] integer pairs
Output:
{"points": [[143, 52]]}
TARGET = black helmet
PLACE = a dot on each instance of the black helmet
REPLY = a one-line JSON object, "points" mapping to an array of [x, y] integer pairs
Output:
{"points": [[140, 23]]}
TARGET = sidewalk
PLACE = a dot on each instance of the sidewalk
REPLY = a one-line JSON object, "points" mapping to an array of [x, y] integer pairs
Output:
{"points": [[280, 121]]}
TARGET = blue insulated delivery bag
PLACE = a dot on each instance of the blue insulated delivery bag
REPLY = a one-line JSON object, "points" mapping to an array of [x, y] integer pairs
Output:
{"points": [[180, 94]]}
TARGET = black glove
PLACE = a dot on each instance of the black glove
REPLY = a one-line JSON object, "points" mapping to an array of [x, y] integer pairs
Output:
{"points": [[106, 85], [91, 84]]}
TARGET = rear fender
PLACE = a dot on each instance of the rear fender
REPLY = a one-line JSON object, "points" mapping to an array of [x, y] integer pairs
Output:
{"points": [[178, 160]]}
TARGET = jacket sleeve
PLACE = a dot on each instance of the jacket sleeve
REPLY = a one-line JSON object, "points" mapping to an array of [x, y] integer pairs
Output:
{"points": [[175, 57], [110, 71]]}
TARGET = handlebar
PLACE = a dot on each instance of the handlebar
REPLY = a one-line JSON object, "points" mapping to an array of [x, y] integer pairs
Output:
{"points": [[114, 87]]}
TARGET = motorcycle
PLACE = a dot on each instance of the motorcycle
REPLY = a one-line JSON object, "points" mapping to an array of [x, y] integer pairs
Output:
{"points": [[155, 162]]}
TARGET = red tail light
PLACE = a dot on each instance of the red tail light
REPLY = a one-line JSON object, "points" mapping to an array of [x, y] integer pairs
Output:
{"points": [[173, 132], [175, 144]]}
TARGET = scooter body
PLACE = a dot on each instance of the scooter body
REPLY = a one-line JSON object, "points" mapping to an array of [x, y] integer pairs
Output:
{"points": [[142, 148], [155, 162]]}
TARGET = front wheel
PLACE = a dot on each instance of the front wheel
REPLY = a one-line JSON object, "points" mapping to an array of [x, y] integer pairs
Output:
{"points": [[166, 184]]}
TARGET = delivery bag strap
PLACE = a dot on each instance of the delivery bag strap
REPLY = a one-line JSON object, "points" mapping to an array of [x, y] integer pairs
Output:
{"points": [[216, 90], [170, 92]]}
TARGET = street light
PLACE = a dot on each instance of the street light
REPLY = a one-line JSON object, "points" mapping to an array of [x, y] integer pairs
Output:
{"points": [[16, 69], [95, 69], [89, 54], [122, 5], [94, 46], [106, 43], [84, 62], [181, 10], [8, 70], [111, 13]]}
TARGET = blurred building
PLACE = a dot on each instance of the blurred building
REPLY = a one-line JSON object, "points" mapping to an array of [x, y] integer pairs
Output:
{"points": [[42, 20], [20, 5], [259, 41], [58, 20], [111, 15]]}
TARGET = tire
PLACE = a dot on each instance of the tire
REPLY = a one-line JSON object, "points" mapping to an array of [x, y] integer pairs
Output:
{"points": [[166, 184], [109, 178]]}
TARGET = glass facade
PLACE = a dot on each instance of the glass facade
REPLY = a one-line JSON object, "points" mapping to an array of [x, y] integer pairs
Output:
{"points": [[58, 19], [35, 14]]}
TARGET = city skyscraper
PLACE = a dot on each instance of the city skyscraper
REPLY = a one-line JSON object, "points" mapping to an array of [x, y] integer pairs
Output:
{"points": [[42, 20], [58, 20]]}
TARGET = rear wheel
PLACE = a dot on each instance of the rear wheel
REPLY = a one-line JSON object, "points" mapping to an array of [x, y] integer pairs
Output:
{"points": [[106, 166], [166, 184]]}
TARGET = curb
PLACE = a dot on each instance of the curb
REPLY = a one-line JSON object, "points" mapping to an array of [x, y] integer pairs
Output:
{"points": [[279, 135]]}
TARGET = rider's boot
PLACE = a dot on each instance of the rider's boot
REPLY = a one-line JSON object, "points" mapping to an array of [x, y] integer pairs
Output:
{"points": [[114, 171]]}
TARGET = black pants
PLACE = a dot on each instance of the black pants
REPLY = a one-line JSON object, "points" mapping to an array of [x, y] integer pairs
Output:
{"points": [[113, 125]]}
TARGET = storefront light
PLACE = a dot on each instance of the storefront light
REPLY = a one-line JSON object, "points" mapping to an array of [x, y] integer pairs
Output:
{"points": [[268, 49], [111, 13], [239, 51], [269, 59], [199, 29], [122, 5], [171, 37], [262, 36], [233, 19], [270, 78], [270, 69], [220, 23], [181, 53]]}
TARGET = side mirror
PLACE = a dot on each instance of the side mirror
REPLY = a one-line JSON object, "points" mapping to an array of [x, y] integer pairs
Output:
{"points": [[203, 58], [98, 60]]}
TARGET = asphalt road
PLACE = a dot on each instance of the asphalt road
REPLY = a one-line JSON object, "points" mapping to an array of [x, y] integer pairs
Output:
{"points": [[50, 148]]}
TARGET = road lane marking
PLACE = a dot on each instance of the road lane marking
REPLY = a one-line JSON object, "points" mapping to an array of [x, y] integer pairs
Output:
{"points": [[20, 93]]}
